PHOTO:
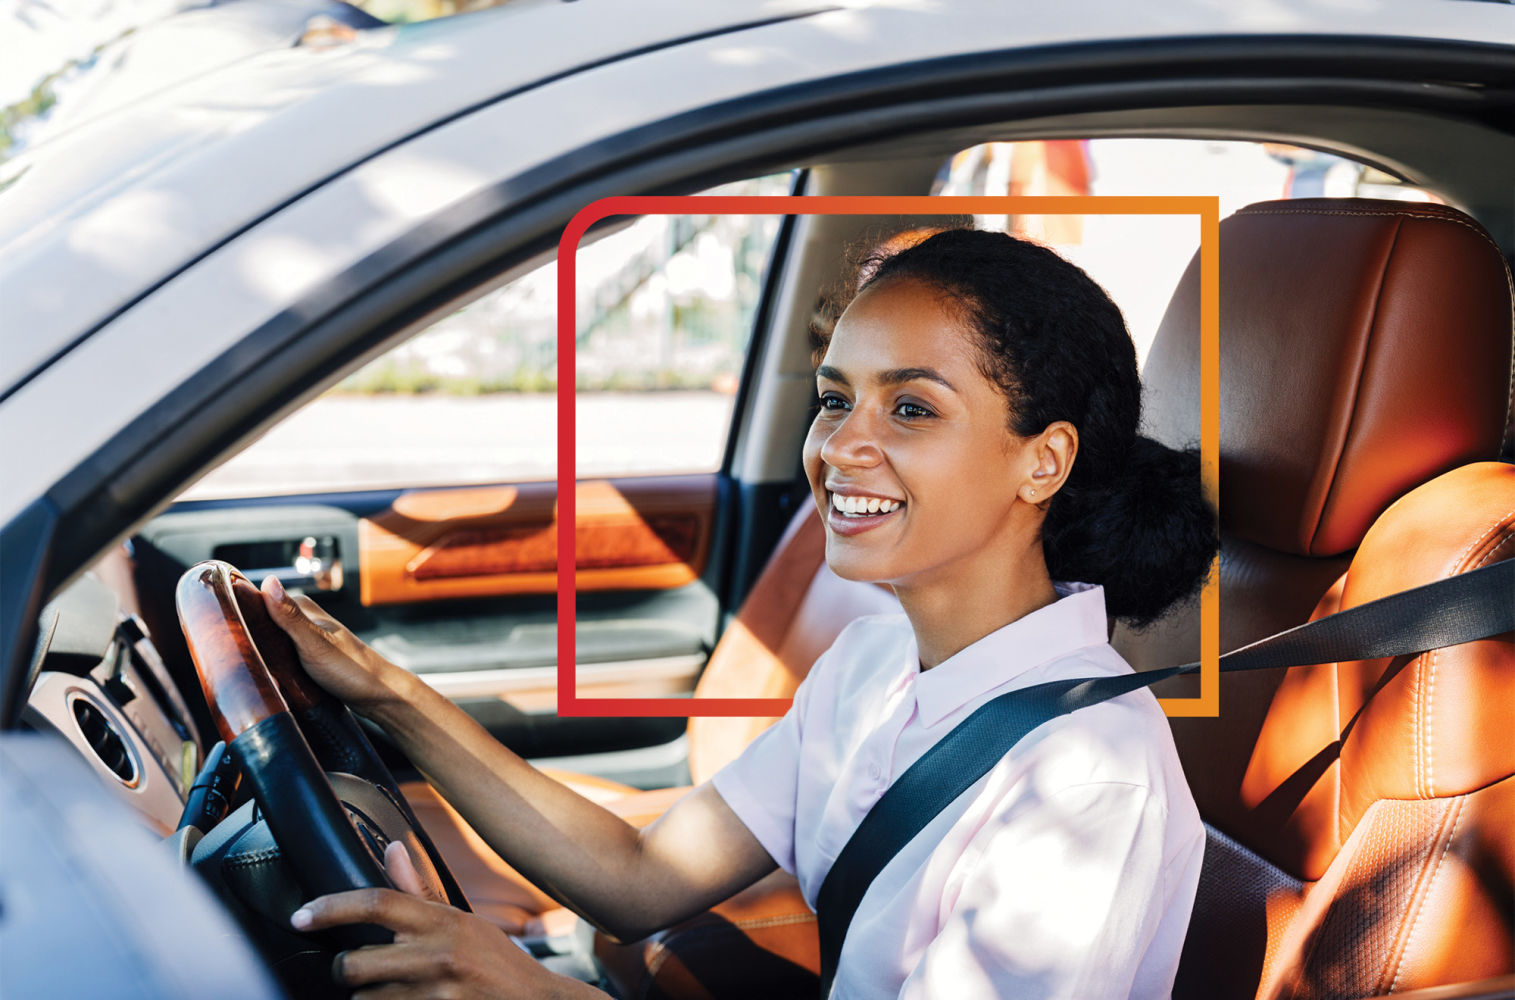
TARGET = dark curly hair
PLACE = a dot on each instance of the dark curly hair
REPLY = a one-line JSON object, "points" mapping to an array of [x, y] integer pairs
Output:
{"points": [[1131, 515]]}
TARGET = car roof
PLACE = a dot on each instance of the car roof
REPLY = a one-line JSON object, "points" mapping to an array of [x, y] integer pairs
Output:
{"points": [[97, 214]]}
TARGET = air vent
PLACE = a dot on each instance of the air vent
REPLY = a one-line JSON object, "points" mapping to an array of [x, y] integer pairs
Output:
{"points": [[105, 741]]}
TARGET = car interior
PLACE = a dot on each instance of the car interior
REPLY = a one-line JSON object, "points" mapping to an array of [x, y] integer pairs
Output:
{"points": [[1360, 817]]}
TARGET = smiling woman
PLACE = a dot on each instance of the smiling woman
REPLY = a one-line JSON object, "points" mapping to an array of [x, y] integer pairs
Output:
{"points": [[978, 409]]}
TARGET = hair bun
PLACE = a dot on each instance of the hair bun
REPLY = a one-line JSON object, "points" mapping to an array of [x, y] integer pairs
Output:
{"points": [[1128, 538]]}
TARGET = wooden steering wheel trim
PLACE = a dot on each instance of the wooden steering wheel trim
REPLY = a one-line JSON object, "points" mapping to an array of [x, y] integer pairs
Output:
{"points": [[236, 681]]}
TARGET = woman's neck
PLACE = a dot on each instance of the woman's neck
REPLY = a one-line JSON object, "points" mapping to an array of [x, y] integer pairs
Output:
{"points": [[950, 618]]}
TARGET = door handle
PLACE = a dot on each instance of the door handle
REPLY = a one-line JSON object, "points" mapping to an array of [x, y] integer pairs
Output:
{"points": [[316, 566]]}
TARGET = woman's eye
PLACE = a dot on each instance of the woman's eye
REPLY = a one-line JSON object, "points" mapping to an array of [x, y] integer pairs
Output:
{"points": [[912, 411], [831, 401]]}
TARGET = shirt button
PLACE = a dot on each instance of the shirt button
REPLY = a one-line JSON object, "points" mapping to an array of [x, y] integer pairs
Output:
{"points": [[875, 772]]}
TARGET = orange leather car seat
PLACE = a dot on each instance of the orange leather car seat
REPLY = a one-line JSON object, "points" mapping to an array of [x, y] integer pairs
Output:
{"points": [[1361, 816]]}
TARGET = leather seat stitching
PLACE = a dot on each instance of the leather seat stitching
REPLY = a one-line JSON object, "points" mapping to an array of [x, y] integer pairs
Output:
{"points": [[1428, 743], [1365, 213], [1489, 555], [1420, 730], [1420, 906], [778, 921], [1462, 557], [1425, 763], [1502, 543]]}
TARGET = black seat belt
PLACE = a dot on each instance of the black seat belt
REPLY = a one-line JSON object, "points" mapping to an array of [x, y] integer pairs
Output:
{"points": [[1459, 609]]}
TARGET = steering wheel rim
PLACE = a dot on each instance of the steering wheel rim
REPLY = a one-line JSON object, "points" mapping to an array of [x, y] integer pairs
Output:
{"points": [[335, 736], [286, 732]]}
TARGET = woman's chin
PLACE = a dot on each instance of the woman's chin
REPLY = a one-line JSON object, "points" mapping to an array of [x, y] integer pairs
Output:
{"points": [[849, 564]]}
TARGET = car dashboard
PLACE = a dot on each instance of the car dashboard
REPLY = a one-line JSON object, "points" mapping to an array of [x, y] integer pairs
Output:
{"points": [[80, 877], [98, 681]]}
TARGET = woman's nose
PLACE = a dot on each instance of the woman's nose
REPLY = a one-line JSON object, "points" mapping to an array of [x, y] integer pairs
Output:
{"points": [[852, 442]]}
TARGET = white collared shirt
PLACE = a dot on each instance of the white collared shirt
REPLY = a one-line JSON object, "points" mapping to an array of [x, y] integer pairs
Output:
{"points": [[1069, 870]]}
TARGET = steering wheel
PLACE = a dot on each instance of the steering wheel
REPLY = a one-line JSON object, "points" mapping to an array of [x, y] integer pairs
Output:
{"points": [[286, 733]]}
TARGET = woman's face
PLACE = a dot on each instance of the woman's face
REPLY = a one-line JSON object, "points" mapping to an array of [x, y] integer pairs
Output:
{"points": [[911, 460]]}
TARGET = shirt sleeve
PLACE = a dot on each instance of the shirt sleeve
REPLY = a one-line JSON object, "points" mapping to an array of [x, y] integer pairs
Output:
{"points": [[1063, 901], [762, 785]]}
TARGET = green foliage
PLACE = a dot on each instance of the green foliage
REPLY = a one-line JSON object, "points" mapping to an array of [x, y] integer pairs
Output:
{"points": [[35, 105], [527, 379], [387, 377]]}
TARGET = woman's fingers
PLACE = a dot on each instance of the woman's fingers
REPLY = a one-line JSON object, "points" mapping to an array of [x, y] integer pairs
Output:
{"points": [[395, 963], [402, 871], [436, 948], [400, 913], [335, 658], [311, 641], [300, 616]]}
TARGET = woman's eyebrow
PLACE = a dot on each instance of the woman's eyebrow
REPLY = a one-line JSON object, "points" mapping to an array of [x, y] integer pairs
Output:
{"points": [[895, 376], [889, 376]]}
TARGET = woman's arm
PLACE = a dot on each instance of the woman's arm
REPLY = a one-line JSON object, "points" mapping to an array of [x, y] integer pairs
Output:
{"points": [[625, 881]]}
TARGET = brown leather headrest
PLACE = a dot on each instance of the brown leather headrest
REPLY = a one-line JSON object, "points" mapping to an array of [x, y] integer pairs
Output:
{"points": [[1365, 348]]}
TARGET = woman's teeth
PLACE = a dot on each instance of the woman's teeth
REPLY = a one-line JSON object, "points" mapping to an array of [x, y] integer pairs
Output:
{"points": [[859, 506]]}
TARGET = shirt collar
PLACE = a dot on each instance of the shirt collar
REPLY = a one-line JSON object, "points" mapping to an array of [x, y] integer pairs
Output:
{"points": [[1076, 620]]}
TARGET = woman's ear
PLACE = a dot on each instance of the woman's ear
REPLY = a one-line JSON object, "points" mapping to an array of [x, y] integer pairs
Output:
{"points": [[1052, 454]]}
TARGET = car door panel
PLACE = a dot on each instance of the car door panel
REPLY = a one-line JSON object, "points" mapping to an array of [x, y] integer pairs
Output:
{"points": [[633, 534]]}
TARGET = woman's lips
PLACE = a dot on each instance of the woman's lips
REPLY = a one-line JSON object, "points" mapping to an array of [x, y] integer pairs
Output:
{"points": [[844, 523]]}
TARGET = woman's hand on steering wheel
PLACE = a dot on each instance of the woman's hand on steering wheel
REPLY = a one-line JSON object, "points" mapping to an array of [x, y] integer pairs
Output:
{"points": [[438, 951], [339, 661]]}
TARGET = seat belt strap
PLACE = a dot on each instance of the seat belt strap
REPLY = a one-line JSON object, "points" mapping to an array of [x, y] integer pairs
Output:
{"points": [[1462, 608]]}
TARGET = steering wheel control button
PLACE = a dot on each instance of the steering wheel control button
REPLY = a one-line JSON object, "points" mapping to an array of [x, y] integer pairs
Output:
{"points": [[373, 836], [210, 796]]}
